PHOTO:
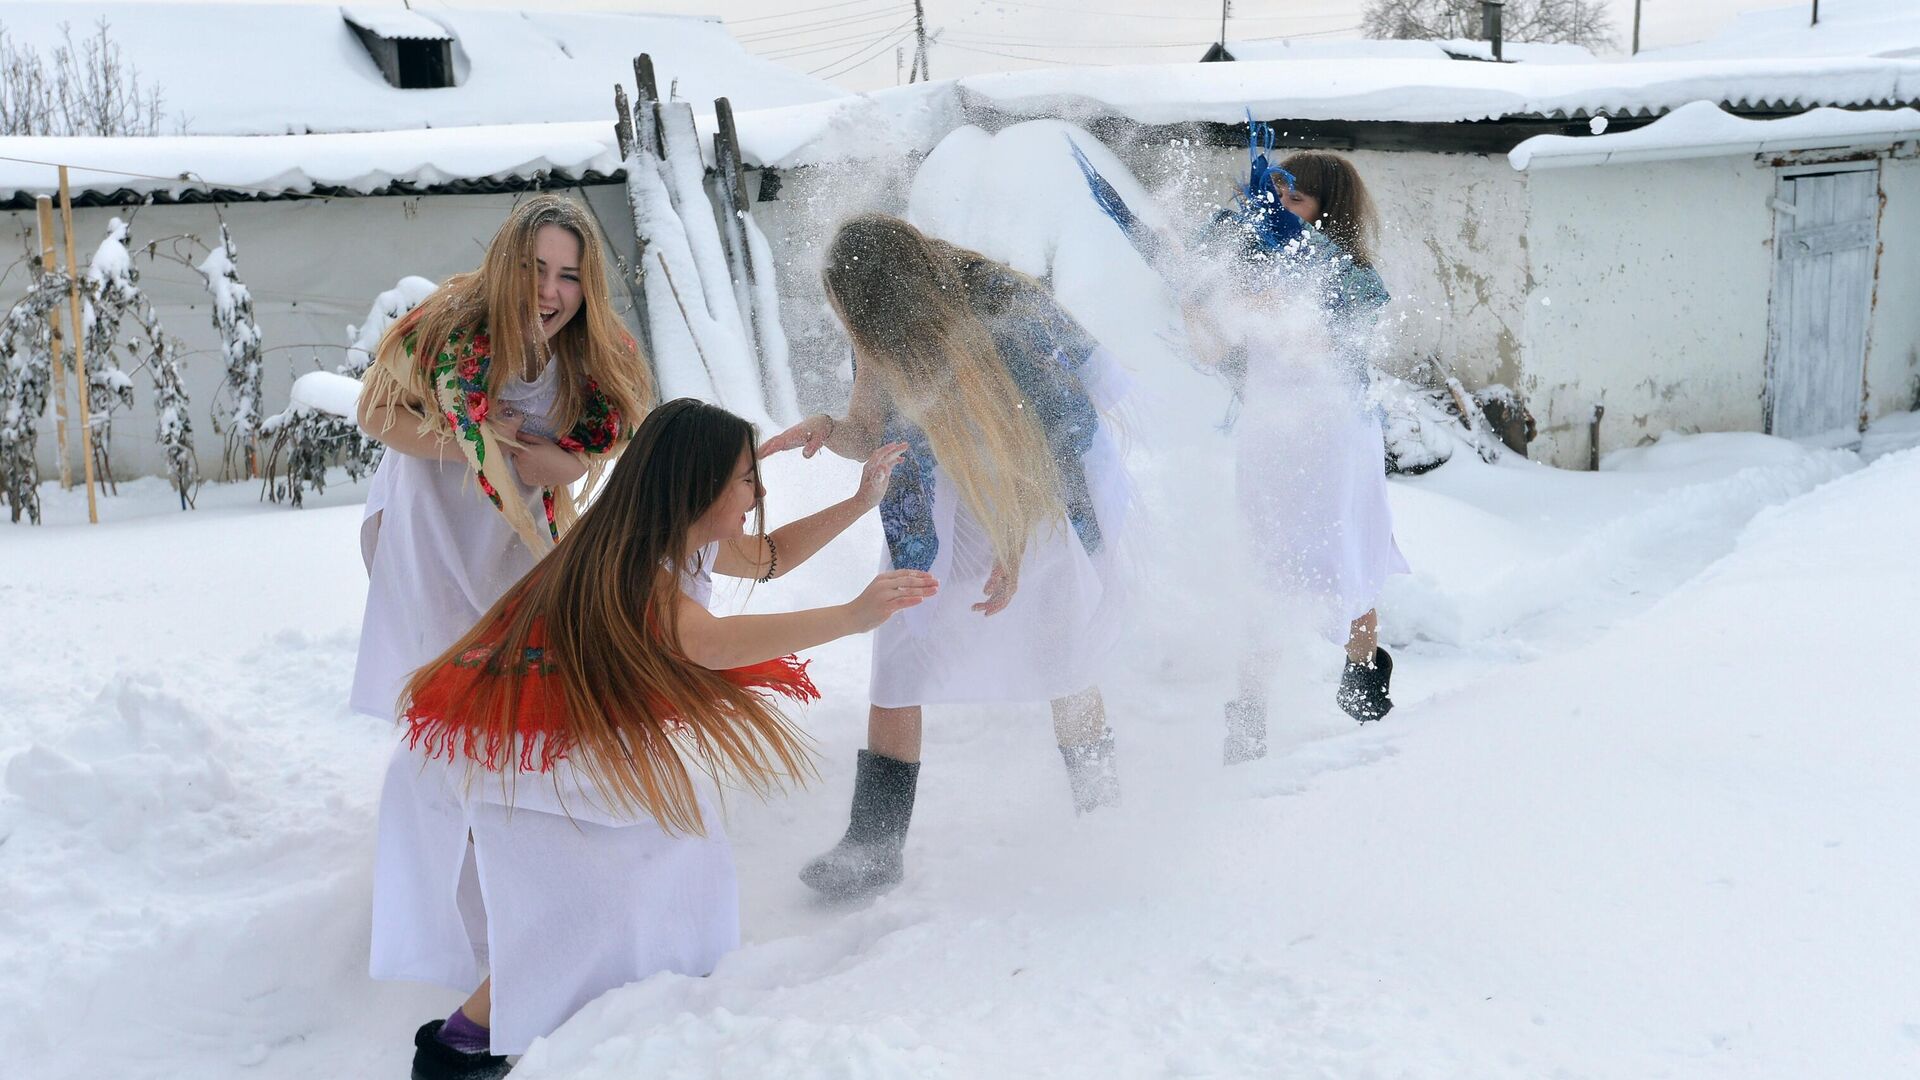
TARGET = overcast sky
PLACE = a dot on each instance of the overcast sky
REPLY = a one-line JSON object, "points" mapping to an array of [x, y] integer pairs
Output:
{"points": [[861, 44]]}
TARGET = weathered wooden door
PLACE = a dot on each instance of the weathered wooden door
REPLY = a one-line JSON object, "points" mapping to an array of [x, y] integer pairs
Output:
{"points": [[1825, 236]]}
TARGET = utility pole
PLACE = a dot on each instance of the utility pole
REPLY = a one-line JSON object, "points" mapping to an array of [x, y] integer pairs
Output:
{"points": [[1224, 5], [1816, 13], [920, 73], [1636, 27]]}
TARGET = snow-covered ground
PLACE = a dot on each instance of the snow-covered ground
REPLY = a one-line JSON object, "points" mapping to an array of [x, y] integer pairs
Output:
{"points": [[1645, 808]]}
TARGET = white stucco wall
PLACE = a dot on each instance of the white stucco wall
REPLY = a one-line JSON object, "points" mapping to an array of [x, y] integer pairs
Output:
{"points": [[1893, 336], [1649, 296], [313, 266]]}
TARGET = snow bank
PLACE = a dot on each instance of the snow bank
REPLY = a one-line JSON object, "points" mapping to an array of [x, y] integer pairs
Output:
{"points": [[1391, 49], [1701, 129], [1654, 854]]}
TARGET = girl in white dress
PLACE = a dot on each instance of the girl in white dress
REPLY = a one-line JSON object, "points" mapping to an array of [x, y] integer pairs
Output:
{"points": [[1012, 495], [1310, 468], [550, 810]]}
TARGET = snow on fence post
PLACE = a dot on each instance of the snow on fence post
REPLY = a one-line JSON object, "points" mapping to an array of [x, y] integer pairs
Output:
{"points": [[698, 342], [750, 265], [240, 342], [43, 206]]}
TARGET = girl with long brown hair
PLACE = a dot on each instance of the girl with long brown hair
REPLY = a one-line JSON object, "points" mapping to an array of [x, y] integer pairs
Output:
{"points": [[570, 738], [1014, 493], [1310, 469]]}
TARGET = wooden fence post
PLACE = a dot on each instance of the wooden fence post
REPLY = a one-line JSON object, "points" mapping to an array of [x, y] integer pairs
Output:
{"points": [[733, 236], [79, 346], [44, 204]]}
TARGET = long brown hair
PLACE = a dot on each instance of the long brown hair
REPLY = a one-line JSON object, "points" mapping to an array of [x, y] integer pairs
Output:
{"points": [[905, 305], [605, 599], [1346, 209], [593, 345]]}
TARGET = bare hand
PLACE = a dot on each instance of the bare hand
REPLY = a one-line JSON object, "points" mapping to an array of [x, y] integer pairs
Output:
{"points": [[877, 471], [890, 592], [809, 436], [541, 463], [1001, 585]]}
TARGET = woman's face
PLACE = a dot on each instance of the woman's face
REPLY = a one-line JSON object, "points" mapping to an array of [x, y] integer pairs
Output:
{"points": [[1304, 206], [557, 261], [726, 519]]}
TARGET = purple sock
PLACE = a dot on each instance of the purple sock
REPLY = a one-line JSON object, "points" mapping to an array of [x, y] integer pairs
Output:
{"points": [[464, 1035]]}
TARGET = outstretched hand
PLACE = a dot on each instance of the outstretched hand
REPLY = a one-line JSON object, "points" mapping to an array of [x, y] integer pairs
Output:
{"points": [[890, 592], [808, 436], [877, 471], [1001, 585]]}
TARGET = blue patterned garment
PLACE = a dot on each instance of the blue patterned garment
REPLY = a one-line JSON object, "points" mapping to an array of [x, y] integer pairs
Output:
{"points": [[1044, 350]]}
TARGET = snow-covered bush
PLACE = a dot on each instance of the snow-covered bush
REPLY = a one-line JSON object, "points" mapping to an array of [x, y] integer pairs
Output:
{"points": [[113, 292], [84, 88], [26, 368], [317, 430], [240, 344]]}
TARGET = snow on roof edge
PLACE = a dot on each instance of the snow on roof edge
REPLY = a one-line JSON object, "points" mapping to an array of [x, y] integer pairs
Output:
{"points": [[1702, 129]]}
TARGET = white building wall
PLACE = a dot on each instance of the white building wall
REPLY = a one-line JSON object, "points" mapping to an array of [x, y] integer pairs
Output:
{"points": [[1893, 336], [1650, 286], [313, 266]]}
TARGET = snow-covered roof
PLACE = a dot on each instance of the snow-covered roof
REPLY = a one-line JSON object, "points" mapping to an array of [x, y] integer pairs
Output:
{"points": [[1408, 91], [1702, 129], [1883, 28], [272, 68], [1393, 49], [268, 165]]}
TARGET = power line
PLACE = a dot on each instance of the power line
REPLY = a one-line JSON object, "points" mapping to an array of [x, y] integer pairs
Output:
{"points": [[884, 40], [1017, 56], [828, 24], [864, 39], [800, 11], [865, 60], [1174, 18], [1022, 42]]}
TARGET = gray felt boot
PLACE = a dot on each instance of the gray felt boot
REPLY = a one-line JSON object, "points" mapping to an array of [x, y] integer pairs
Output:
{"points": [[1090, 769], [870, 858]]}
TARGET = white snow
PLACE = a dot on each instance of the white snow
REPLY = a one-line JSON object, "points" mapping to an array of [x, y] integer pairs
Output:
{"points": [[327, 392], [1651, 824], [1887, 28], [275, 68], [1702, 129]]}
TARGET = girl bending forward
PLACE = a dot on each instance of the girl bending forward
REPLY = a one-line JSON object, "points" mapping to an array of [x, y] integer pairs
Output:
{"points": [[548, 815]]}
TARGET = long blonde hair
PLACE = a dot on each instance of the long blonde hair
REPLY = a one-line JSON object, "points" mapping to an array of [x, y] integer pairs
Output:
{"points": [[906, 307], [502, 294], [606, 601]]}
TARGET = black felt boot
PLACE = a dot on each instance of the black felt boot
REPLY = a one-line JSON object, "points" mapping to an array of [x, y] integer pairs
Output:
{"points": [[435, 1060], [1363, 688], [1091, 771], [870, 859], [1246, 731]]}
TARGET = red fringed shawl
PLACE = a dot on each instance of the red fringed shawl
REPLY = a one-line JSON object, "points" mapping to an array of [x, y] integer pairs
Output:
{"points": [[436, 715]]}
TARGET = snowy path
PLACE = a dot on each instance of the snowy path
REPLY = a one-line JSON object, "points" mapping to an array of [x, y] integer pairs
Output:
{"points": [[1640, 813]]}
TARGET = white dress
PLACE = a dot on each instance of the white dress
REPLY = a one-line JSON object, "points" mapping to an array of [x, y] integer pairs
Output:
{"points": [[1310, 474], [1050, 641], [545, 887]]}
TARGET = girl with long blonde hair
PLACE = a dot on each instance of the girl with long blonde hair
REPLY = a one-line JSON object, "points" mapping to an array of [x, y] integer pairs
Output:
{"points": [[572, 735], [1013, 492]]}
